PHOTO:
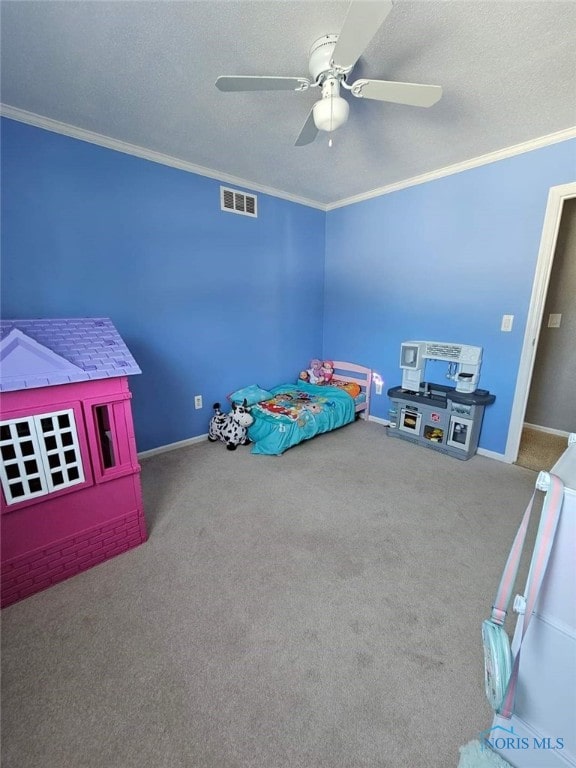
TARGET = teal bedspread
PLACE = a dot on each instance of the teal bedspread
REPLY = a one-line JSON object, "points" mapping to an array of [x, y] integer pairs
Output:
{"points": [[298, 412]]}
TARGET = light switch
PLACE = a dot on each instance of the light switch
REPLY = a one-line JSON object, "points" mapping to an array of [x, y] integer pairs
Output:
{"points": [[554, 321], [507, 321]]}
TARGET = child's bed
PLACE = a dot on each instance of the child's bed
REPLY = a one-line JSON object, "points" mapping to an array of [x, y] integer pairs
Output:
{"points": [[300, 411]]}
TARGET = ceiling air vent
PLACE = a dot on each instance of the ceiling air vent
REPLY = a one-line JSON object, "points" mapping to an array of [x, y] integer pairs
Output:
{"points": [[238, 202]]}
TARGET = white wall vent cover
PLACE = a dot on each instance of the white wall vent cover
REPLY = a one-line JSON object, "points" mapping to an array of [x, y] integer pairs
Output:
{"points": [[238, 202]]}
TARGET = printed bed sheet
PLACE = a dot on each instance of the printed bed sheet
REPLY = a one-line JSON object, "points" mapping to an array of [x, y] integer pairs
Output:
{"points": [[298, 412]]}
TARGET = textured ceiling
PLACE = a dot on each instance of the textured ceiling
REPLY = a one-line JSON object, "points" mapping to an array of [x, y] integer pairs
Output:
{"points": [[143, 73]]}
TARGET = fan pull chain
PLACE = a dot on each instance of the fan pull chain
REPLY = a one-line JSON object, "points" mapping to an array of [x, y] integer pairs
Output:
{"points": [[331, 116]]}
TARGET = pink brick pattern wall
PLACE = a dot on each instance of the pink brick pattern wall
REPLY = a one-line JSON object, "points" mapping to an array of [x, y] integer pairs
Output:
{"points": [[35, 571]]}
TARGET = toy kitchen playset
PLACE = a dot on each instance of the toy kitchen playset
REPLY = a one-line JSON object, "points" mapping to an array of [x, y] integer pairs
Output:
{"points": [[447, 419]]}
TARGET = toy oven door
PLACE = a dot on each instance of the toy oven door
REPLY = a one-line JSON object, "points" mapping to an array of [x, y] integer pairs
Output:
{"points": [[410, 420], [459, 433]]}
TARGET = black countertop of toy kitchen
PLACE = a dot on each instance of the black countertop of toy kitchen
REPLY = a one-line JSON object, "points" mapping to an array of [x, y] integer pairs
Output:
{"points": [[438, 394]]}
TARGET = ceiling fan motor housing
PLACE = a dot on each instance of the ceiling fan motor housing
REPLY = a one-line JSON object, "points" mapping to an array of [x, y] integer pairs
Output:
{"points": [[320, 64]]}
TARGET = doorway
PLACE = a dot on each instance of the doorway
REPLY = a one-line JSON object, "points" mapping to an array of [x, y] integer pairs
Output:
{"points": [[557, 198]]}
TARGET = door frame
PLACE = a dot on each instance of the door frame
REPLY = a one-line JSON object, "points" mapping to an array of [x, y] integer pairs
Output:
{"points": [[552, 217]]}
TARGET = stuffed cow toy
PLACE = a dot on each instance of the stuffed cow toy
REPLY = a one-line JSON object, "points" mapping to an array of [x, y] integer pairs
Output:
{"points": [[231, 428]]}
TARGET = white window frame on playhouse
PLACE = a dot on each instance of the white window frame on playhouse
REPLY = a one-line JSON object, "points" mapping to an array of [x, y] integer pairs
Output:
{"points": [[44, 457]]}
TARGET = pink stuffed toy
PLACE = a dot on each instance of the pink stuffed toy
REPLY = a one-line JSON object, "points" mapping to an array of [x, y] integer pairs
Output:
{"points": [[327, 371]]}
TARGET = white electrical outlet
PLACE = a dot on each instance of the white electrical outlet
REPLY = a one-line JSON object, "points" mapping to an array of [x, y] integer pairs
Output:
{"points": [[378, 387], [198, 401], [554, 321], [507, 321]]}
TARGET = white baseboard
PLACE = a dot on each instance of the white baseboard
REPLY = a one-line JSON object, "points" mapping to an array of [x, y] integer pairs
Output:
{"points": [[549, 430], [493, 455], [173, 446], [378, 420]]}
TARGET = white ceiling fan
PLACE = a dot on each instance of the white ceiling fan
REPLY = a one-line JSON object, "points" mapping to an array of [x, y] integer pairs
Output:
{"points": [[332, 58]]}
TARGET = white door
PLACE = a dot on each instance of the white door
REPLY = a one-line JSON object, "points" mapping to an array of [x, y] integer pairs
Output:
{"points": [[556, 198]]}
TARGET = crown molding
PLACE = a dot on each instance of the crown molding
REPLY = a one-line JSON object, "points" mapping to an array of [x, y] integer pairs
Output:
{"points": [[449, 170], [48, 124], [74, 132]]}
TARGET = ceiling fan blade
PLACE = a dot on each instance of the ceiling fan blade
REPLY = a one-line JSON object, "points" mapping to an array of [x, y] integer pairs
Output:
{"points": [[261, 83], [308, 132], [413, 94], [363, 20]]}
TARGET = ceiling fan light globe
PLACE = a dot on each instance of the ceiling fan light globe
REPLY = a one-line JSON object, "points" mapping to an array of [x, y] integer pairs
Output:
{"points": [[331, 113]]}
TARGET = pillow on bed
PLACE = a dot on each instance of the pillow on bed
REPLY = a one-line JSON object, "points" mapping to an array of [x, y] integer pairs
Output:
{"points": [[252, 394]]}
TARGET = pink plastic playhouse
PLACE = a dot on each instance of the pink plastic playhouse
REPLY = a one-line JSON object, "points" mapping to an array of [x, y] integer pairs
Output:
{"points": [[71, 494]]}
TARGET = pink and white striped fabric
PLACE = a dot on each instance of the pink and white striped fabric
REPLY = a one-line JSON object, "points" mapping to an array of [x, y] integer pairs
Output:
{"points": [[542, 547]]}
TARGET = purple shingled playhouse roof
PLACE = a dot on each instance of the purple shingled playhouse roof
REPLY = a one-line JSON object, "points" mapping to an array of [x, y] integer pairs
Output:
{"points": [[46, 352]]}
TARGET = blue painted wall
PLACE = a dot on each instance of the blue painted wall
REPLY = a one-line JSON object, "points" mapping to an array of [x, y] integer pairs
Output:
{"points": [[443, 261], [206, 300], [209, 301]]}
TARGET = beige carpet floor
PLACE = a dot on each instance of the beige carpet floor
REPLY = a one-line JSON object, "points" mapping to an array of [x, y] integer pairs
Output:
{"points": [[540, 450], [321, 609]]}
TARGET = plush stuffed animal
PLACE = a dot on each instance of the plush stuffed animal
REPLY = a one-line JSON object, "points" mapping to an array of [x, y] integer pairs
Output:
{"points": [[315, 372], [231, 428], [304, 376], [327, 371]]}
